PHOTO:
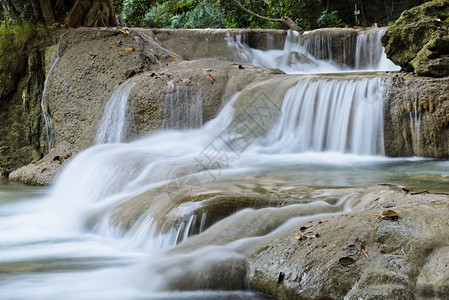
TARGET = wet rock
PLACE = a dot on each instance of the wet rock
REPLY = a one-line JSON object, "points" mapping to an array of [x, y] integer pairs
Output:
{"points": [[205, 269], [418, 41], [415, 116], [396, 250], [44, 171]]}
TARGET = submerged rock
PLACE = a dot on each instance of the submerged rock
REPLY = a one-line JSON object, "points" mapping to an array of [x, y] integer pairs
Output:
{"points": [[419, 39]]}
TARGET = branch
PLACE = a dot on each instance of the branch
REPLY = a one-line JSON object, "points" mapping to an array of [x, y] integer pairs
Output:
{"points": [[286, 20]]}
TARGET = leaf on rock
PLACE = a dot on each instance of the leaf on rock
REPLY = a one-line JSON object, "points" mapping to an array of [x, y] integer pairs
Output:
{"points": [[307, 235], [174, 59], [43, 170], [389, 215], [362, 249], [346, 261], [124, 31], [130, 73], [128, 49], [310, 235], [211, 79]]}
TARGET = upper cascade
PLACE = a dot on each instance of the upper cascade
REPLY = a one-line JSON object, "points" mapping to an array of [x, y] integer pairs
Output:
{"points": [[328, 51]]}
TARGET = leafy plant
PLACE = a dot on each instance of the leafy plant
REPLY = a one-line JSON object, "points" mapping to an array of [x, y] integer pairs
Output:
{"points": [[328, 19]]}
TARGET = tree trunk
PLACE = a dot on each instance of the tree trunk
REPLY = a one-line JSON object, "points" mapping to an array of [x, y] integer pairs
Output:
{"points": [[74, 13]]}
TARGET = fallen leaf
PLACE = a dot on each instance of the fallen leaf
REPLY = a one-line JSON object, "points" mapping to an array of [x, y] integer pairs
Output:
{"points": [[362, 249], [307, 235], [174, 59], [43, 170], [124, 31], [54, 147], [130, 73], [310, 235], [128, 49], [211, 79], [389, 215], [346, 261]]}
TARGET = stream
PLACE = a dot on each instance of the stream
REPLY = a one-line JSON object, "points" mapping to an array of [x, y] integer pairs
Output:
{"points": [[140, 220]]}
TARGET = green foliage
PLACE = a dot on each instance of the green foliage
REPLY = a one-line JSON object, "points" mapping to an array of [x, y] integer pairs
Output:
{"points": [[328, 19], [185, 14]]}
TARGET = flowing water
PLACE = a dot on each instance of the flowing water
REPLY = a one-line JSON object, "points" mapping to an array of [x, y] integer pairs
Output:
{"points": [[137, 220]]}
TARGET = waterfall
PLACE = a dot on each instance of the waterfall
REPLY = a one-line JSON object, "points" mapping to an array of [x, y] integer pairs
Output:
{"points": [[331, 114], [114, 124], [139, 219], [183, 106], [238, 45], [415, 124], [49, 130], [316, 52]]}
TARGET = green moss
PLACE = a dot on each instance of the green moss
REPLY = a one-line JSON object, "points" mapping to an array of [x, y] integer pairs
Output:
{"points": [[14, 40]]}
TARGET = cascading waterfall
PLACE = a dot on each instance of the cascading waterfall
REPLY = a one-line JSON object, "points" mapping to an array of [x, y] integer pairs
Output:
{"points": [[183, 106], [415, 124], [115, 122], [313, 53], [341, 115], [122, 220], [49, 130]]}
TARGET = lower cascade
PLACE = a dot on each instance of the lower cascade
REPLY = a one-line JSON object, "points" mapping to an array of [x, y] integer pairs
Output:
{"points": [[184, 211]]}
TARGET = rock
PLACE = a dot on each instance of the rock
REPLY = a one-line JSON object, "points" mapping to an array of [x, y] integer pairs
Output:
{"points": [[416, 116], [393, 268], [44, 171], [419, 40]]}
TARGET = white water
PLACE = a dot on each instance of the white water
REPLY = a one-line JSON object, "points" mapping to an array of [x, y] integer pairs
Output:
{"points": [[336, 115], [63, 246], [49, 130], [303, 55], [115, 122], [183, 106]]}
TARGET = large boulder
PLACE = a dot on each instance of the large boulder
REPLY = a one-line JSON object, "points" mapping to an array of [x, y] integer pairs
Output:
{"points": [[416, 116], [419, 39], [371, 254]]}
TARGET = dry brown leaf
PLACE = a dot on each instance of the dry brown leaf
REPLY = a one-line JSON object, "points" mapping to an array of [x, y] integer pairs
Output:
{"points": [[128, 49], [211, 79], [124, 31], [43, 170], [362, 249], [389, 215], [174, 59]]}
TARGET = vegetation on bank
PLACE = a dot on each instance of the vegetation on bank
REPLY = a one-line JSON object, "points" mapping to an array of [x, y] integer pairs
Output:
{"points": [[306, 14]]}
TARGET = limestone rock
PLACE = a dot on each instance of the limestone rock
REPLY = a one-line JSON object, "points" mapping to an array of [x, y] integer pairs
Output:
{"points": [[416, 118], [392, 267], [419, 40], [44, 171]]}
